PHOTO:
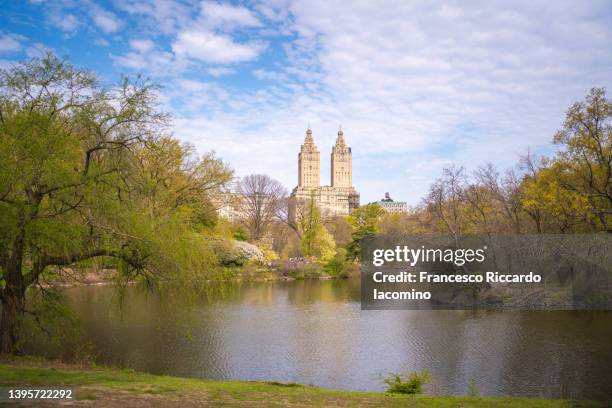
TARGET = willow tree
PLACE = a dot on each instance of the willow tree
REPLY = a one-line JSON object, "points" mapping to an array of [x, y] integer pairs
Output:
{"points": [[85, 173]]}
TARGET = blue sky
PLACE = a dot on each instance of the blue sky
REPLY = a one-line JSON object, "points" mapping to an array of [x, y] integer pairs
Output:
{"points": [[416, 86]]}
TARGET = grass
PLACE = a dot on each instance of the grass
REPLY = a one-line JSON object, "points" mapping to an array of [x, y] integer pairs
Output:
{"points": [[107, 387]]}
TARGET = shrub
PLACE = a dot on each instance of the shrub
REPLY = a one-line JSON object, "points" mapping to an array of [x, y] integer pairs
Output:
{"points": [[239, 233], [413, 384], [302, 268], [268, 253], [338, 265], [237, 253]]}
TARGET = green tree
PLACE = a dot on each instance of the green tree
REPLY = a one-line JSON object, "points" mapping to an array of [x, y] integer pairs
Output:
{"points": [[364, 221], [316, 240], [85, 173], [586, 161], [339, 265], [560, 209]]}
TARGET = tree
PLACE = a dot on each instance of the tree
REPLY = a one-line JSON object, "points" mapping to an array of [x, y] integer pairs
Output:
{"points": [[173, 177], [340, 229], [571, 192], [85, 173], [532, 166], [587, 159], [290, 210], [364, 221], [316, 240], [561, 210], [260, 197], [445, 201], [505, 193]]}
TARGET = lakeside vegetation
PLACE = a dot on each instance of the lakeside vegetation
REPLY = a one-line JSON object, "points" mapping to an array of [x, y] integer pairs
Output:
{"points": [[92, 180], [113, 387]]}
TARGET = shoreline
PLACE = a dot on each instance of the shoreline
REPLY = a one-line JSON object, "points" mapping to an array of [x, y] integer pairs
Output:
{"points": [[111, 387], [104, 277]]}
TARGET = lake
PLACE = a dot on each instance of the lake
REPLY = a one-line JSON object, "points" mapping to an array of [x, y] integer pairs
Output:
{"points": [[314, 332]]}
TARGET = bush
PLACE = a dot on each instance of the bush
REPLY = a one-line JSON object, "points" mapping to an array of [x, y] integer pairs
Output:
{"points": [[239, 233], [338, 265], [237, 253], [268, 253], [411, 385], [301, 268]]}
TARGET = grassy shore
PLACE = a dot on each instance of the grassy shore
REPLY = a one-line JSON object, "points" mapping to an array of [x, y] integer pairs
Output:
{"points": [[107, 387]]}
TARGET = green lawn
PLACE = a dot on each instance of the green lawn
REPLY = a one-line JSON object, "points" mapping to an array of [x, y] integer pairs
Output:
{"points": [[125, 388]]}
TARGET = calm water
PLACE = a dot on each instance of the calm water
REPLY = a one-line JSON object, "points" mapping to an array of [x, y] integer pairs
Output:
{"points": [[315, 333]]}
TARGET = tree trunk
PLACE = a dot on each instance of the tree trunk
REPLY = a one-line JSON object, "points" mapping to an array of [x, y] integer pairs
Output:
{"points": [[12, 312], [13, 296]]}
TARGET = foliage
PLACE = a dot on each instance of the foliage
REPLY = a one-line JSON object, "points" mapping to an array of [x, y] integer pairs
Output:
{"points": [[239, 233], [340, 228], [364, 221], [87, 172], [339, 265], [237, 253], [568, 193], [269, 254], [284, 240], [560, 209], [412, 384], [316, 241], [586, 161], [303, 270]]}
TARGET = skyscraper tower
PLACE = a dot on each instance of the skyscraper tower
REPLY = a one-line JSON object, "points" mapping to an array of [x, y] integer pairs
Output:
{"points": [[338, 199], [309, 163], [341, 163]]}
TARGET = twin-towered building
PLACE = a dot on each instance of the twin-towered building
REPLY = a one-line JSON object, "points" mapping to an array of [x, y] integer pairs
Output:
{"points": [[341, 197]]}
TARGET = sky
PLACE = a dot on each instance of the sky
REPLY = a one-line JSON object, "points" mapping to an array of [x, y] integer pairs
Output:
{"points": [[416, 86]]}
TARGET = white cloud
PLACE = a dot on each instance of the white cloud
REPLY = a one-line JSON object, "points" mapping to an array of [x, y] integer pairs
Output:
{"points": [[104, 19], [160, 16], [147, 57], [227, 16], [270, 75], [101, 42], [220, 71], [132, 60], [209, 38], [415, 86], [152, 62], [209, 47], [142, 46], [10, 43], [65, 22]]}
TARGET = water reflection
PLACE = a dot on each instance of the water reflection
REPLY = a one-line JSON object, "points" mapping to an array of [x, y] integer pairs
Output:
{"points": [[316, 333]]}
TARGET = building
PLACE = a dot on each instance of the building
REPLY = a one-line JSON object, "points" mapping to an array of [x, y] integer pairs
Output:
{"points": [[391, 206], [228, 205], [340, 198], [237, 206]]}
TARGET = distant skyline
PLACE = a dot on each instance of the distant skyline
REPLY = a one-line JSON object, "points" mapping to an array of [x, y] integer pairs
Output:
{"points": [[416, 86]]}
